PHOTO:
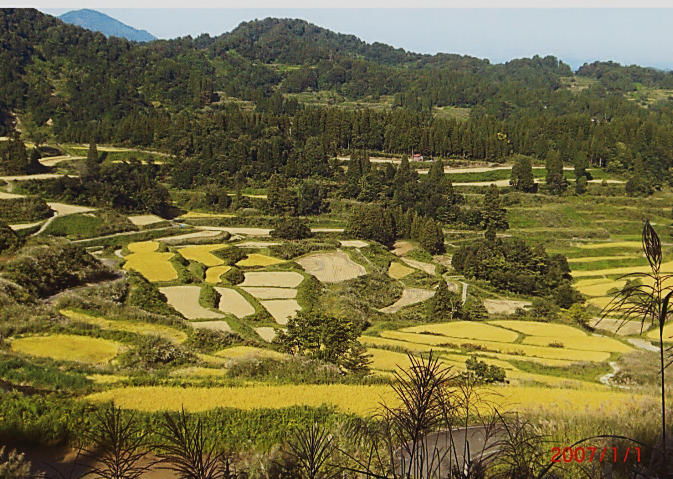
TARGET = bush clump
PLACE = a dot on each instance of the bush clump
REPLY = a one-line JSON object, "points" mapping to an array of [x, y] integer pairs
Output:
{"points": [[209, 341], [145, 295], [233, 276], [155, 352]]}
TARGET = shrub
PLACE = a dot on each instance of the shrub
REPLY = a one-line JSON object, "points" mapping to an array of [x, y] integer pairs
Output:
{"points": [[233, 276], [13, 465], [291, 229], [30, 208], [230, 256], [210, 341], [9, 240], [483, 373], [146, 295], [155, 352], [209, 297]]}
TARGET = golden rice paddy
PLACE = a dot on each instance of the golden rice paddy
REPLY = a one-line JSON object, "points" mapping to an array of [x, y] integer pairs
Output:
{"points": [[537, 328], [587, 343], [665, 268], [617, 244], [242, 351], [214, 274], [466, 330], [668, 333], [599, 289], [153, 266], [593, 259], [167, 332], [256, 259], [67, 347], [359, 400], [377, 341], [203, 253], [399, 271]]}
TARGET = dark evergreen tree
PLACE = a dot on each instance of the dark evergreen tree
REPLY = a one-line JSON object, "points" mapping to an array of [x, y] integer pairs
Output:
{"points": [[556, 182], [444, 305], [522, 175], [493, 214]]}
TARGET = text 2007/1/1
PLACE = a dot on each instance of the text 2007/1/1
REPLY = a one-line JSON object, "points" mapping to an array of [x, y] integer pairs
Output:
{"points": [[588, 454]]}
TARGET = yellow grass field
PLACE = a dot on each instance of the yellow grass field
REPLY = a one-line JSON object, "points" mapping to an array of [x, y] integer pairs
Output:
{"points": [[167, 332], [255, 259], [106, 378], [587, 343], [203, 253], [242, 351], [213, 274], [601, 301], [467, 330], [377, 341], [361, 400], [200, 372], [67, 347], [609, 244], [621, 328], [537, 328], [430, 339], [384, 360], [399, 271]]}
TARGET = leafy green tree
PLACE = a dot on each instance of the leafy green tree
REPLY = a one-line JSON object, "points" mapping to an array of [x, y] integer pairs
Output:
{"points": [[581, 185], [281, 199], [638, 184], [522, 175], [9, 240], [92, 154], [445, 305], [493, 214], [312, 199], [483, 373], [13, 157], [317, 335], [556, 182]]}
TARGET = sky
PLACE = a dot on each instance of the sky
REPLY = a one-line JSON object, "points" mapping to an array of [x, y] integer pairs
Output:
{"points": [[640, 36]]}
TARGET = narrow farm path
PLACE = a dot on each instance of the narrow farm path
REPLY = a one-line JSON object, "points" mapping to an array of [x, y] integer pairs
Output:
{"points": [[464, 292], [643, 344]]}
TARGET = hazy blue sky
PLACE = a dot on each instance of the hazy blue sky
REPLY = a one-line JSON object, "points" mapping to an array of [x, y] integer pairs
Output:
{"points": [[643, 36]]}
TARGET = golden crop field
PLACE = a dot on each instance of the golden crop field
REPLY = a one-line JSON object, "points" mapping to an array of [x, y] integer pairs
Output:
{"points": [[361, 400], [609, 244], [430, 339], [106, 378], [256, 259], [377, 341], [587, 343], [153, 266], [241, 351], [592, 259], [213, 274], [203, 253], [537, 328], [467, 330], [144, 247], [67, 347], [599, 289], [665, 268], [399, 271], [385, 360], [167, 332], [668, 333], [200, 372], [350, 399]]}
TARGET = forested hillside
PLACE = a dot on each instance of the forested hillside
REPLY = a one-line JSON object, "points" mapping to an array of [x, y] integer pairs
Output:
{"points": [[240, 98]]}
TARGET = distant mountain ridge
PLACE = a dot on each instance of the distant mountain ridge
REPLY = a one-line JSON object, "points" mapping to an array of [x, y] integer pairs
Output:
{"points": [[108, 26]]}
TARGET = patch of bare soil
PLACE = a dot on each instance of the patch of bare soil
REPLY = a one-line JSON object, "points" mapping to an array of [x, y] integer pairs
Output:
{"points": [[494, 306]]}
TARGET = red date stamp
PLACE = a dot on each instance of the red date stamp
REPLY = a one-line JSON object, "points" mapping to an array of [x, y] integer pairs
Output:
{"points": [[589, 454]]}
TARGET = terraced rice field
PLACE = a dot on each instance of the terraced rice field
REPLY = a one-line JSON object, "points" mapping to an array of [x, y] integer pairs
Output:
{"points": [[409, 296], [137, 327], [466, 330], [266, 333], [203, 253], [255, 259], [402, 248], [256, 244], [63, 209], [501, 306], [213, 274], [588, 343], [271, 293], [668, 333], [610, 244], [231, 301], [66, 347], [281, 309], [194, 214], [665, 268], [220, 325], [379, 341], [152, 265], [243, 351], [537, 328], [185, 299], [331, 267], [364, 400], [598, 287], [144, 220], [273, 279], [199, 372], [399, 271], [619, 327], [354, 243], [427, 267], [594, 259], [524, 350]]}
